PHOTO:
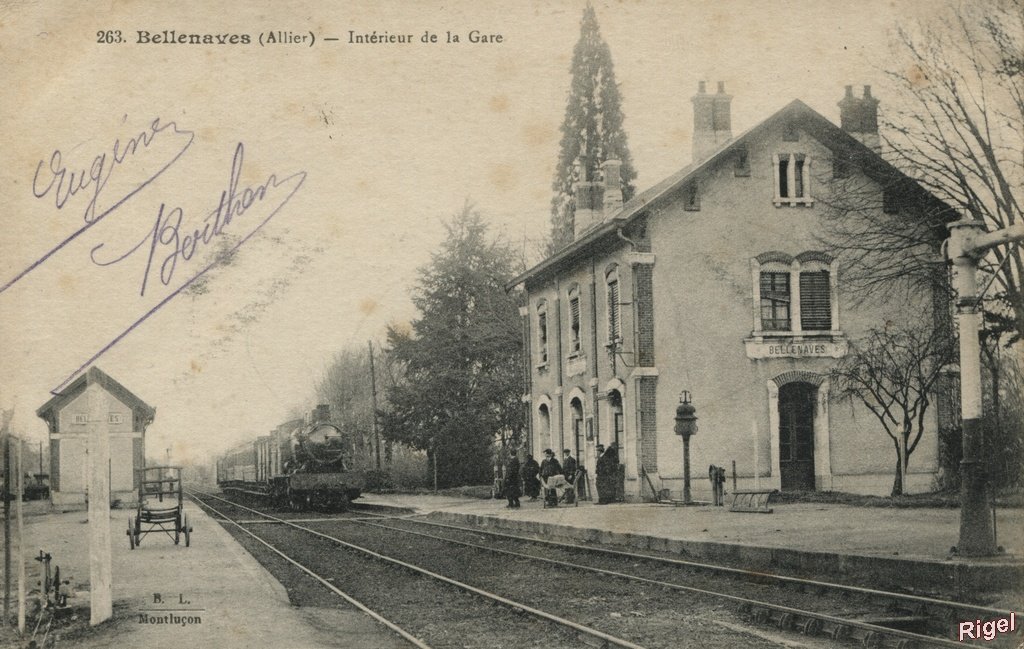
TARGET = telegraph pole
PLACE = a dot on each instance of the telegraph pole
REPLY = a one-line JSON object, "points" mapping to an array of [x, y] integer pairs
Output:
{"points": [[968, 242], [373, 396]]}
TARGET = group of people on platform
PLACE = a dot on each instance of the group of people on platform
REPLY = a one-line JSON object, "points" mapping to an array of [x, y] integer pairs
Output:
{"points": [[527, 478]]}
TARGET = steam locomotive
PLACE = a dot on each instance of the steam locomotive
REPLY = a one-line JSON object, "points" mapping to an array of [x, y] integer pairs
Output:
{"points": [[302, 464]]}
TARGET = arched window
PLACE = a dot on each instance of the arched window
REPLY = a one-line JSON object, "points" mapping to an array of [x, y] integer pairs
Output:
{"points": [[795, 294]]}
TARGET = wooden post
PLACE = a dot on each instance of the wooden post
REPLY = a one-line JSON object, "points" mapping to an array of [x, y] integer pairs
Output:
{"points": [[7, 524], [99, 505], [757, 454], [373, 397], [21, 543]]}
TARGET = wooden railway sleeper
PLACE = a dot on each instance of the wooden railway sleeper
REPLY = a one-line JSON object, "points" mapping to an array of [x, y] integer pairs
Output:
{"points": [[839, 632], [810, 626]]}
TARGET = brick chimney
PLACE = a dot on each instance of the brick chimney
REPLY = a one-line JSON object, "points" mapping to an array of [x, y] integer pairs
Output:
{"points": [[859, 117], [612, 179], [588, 202], [712, 120]]}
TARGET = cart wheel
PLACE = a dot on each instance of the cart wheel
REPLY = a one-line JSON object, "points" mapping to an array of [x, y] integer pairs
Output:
{"points": [[188, 532], [131, 536], [177, 527]]}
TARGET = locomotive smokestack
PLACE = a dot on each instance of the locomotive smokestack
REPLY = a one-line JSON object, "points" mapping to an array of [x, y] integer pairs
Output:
{"points": [[322, 413]]}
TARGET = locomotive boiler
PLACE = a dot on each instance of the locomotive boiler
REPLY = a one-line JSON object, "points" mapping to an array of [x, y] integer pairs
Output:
{"points": [[303, 463]]}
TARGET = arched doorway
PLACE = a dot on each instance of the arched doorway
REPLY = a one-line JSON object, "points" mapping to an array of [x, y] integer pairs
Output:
{"points": [[796, 436], [617, 423], [617, 435], [578, 433]]}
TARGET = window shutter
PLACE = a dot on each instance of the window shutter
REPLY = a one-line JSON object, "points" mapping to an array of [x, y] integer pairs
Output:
{"points": [[574, 315], [613, 310], [542, 330], [815, 301]]}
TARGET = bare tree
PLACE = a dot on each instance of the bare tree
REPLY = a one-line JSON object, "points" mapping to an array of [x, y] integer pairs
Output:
{"points": [[893, 371], [957, 129]]}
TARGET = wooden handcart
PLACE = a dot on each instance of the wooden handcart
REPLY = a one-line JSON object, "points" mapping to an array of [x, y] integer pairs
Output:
{"points": [[160, 506]]}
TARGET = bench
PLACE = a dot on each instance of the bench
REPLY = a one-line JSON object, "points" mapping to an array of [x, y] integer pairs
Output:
{"points": [[751, 500]]}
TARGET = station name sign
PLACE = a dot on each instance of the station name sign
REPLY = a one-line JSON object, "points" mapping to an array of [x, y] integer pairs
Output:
{"points": [[759, 347]]}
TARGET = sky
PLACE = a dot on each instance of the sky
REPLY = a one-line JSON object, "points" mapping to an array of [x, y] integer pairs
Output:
{"points": [[353, 154]]}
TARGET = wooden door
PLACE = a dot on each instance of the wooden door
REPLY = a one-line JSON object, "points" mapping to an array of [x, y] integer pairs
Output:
{"points": [[796, 436]]}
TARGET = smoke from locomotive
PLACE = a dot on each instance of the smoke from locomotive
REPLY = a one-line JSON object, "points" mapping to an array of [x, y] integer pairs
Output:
{"points": [[303, 463]]}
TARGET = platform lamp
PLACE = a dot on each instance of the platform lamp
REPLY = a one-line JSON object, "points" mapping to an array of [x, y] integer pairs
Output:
{"points": [[686, 426]]}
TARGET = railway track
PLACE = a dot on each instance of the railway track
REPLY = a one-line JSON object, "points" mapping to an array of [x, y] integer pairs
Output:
{"points": [[943, 614], [868, 616], [577, 633]]}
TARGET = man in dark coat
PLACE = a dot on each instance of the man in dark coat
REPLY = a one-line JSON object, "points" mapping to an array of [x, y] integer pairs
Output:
{"points": [[550, 468], [568, 465], [530, 471], [607, 475], [512, 481], [569, 469]]}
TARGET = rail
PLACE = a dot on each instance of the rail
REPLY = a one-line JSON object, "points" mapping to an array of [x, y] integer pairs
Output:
{"points": [[514, 605]]}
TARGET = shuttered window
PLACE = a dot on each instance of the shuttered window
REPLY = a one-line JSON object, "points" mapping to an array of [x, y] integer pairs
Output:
{"points": [[614, 321], [815, 301], [542, 333], [574, 319], [775, 299]]}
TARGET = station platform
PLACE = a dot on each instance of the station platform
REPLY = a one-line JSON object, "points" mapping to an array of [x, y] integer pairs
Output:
{"points": [[216, 581], [876, 546]]}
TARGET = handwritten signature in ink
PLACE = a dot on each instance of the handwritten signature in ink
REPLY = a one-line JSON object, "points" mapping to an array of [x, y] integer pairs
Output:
{"points": [[169, 245], [56, 180], [170, 248]]}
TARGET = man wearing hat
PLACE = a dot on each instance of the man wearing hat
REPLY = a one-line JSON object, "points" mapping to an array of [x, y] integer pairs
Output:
{"points": [[607, 473], [551, 474]]}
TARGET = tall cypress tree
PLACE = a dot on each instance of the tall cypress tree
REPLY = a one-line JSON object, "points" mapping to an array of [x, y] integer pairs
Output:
{"points": [[592, 130]]}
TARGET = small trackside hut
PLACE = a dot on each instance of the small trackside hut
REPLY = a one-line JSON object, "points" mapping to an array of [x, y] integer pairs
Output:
{"points": [[67, 417]]}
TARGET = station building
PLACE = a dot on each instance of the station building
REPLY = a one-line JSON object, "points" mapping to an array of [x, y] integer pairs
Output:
{"points": [[67, 417], [716, 282]]}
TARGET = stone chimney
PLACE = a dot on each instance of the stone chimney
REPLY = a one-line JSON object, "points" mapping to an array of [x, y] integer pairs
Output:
{"points": [[859, 117], [712, 120], [612, 187]]}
